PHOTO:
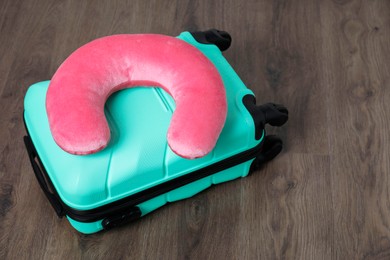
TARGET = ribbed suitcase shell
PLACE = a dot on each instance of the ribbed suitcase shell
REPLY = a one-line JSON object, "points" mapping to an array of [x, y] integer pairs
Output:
{"points": [[138, 157]]}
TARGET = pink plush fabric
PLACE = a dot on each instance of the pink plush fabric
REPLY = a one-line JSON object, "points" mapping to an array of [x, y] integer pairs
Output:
{"points": [[80, 87]]}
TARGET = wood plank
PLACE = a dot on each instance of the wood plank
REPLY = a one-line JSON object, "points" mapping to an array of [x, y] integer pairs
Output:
{"points": [[287, 213], [355, 38]]}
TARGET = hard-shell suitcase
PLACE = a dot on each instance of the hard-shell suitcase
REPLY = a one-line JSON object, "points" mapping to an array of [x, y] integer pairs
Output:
{"points": [[137, 172]]}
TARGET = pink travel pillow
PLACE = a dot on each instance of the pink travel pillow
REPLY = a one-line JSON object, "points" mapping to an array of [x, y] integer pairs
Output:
{"points": [[80, 87]]}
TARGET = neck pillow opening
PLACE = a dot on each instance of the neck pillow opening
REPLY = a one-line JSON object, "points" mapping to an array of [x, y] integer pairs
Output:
{"points": [[80, 87]]}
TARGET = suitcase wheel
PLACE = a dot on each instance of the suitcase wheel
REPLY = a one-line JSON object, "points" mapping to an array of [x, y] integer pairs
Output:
{"points": [[274, 114], [270, 113], [219, 38], [271, 148]]}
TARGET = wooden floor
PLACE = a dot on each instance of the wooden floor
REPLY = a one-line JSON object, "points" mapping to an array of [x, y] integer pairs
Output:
{"points": [[327, 196]]}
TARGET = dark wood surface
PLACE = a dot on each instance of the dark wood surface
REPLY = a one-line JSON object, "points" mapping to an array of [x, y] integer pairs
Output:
{"points": [[325, 197]]}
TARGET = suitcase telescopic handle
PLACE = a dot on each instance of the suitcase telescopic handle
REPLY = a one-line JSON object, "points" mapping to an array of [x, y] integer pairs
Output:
{"points": [[38, 170]]}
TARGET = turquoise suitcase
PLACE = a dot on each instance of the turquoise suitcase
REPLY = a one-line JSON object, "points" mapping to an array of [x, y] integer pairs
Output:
{"points": [[137, 172]]}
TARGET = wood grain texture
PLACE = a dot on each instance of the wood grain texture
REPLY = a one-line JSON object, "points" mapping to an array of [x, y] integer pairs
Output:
{"points": [[325, 197]]}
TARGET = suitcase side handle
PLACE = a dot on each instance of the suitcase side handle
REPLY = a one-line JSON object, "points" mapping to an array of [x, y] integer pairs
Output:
{"points": [[38, 171]]}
